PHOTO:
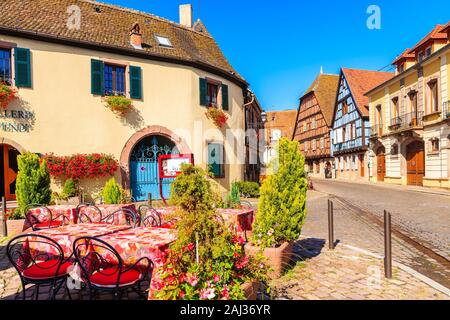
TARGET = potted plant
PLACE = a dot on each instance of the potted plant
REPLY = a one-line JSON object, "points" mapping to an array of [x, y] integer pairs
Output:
{"points": [[7, 94], [282, 208], [208, 261], [217, 116], [113, 193], [15, 222], [119, 104]]}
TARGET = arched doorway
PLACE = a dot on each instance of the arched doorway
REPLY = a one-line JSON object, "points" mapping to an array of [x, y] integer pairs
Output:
{"points": [[8, 171], [381, 164], [415, 163], [144, 175]]}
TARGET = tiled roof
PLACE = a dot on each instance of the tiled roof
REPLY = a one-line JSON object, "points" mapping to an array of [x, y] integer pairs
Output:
{"points": [[361, 81], [407, 55], [282, 120], [325, 88], [435, 34], [110, 26]]}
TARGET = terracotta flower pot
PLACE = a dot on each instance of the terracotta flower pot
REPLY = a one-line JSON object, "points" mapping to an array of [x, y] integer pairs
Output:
{"points": [[15, 227], [278, 259], [251, 290]]}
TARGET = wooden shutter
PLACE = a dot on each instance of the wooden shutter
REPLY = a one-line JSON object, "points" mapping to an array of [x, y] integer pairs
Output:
{"points": [[97, 77], [22, 59], [203, 92], [225, 99], [135, 82]]}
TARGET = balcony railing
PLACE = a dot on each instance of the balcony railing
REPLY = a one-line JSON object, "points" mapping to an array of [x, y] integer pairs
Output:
{"points": [[407, 121], [376, 130], [446, 110]]}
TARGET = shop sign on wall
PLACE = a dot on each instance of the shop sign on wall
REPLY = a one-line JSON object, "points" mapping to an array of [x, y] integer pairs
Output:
{"points": [[16, 120]]}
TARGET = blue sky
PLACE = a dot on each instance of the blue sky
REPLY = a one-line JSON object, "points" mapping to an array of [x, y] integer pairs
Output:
{"points": [[279, 46]]}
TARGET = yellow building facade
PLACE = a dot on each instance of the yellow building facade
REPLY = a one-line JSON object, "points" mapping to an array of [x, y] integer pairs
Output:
{"points": [[182, 73], [409, 115]]}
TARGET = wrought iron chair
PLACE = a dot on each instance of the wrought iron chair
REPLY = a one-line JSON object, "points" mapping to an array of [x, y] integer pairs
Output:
{"points": [[150, 221], [130, 218], [43, 220], [88, 213], [146, 210], [38, 267], [103, 269]]}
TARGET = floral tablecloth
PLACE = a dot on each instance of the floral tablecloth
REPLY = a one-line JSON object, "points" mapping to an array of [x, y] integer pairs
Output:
{"points": [[241, 219], [137, 243], [133, 244], [69, 212], [66, 235]]}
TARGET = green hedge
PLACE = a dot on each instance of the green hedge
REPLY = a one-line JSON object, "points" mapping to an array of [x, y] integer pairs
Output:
{"points": [[248, 189]]}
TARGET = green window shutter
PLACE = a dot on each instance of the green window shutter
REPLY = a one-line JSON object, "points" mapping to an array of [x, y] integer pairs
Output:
{"points": [[135, 82], [225, 99], [22, 59], [215, 159], [97, 77], [203, 93]]}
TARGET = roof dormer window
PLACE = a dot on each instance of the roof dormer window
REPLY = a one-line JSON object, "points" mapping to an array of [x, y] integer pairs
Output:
{"points": [[428, 52], [164, 41]]}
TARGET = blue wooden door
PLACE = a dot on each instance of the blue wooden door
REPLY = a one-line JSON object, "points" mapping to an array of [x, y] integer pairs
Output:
{"points": [[144, 175]]}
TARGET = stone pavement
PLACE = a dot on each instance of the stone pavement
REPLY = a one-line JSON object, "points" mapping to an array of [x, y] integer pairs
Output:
{"points": [[353, 229], [345, 274], [422, 214]]}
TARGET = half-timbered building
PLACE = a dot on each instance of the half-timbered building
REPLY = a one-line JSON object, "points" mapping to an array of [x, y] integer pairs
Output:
{"points": [[313, 124], [351, 126]]}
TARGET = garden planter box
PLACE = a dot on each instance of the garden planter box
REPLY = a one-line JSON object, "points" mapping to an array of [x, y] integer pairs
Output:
{"points": [[278, 259], [15, 227], [251, 290]]}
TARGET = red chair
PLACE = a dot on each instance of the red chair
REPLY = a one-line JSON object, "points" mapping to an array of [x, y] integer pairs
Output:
{"points": [[103, 270], [40, 217], [39, 268]]}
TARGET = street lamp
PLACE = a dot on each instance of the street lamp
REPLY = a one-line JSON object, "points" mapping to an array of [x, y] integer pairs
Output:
{"points": [[263, 117]]}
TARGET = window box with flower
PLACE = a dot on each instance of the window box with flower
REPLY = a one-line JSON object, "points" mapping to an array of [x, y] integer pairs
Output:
{"points": [[217, 116], [7, 94]]}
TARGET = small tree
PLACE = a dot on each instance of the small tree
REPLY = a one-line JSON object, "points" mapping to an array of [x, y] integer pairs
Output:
{"points": [[33, 181], [70, 189], [112, 193], [282, 205]]}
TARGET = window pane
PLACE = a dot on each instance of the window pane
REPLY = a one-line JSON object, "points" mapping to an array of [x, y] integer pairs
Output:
{"points": [[108, 80], [5, 66]]}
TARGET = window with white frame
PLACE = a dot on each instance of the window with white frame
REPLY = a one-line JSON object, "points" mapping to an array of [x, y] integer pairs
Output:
{"points": [[434, 145], [322, 143]]}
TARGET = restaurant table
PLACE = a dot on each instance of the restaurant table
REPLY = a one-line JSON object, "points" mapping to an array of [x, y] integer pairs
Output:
{"points": [[241, 219], [69, 212], [134, 244], [137, 243], [65, 236]]}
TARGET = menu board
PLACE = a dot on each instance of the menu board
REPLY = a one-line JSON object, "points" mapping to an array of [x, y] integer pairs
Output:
{"points": [[170, 165]]}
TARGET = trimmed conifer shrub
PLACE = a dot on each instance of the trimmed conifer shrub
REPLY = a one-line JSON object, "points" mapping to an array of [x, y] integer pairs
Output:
{"points": [[33, 181], [282, 205], [112, 193]]}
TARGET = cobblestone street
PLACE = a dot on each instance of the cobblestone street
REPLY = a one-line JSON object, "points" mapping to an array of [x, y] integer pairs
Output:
{"points": [[423, 214], [345, 274]]}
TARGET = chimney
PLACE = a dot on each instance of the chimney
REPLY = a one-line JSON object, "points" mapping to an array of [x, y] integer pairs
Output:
{"points": [[186, 15], [136, 36]]}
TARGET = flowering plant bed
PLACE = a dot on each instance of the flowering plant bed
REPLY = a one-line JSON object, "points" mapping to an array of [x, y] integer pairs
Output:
{"points": [[82, 166], [208, 261], [217, 116], [119, 104], [7, 94]]}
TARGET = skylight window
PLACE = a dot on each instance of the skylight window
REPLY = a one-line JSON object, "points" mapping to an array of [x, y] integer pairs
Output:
{"points": [[164, 41]]}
